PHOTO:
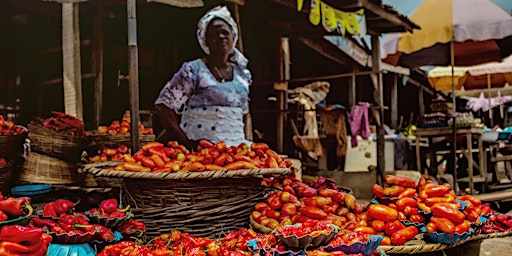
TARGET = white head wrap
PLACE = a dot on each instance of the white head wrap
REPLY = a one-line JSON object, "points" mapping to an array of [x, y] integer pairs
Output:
{"points": [[222, 13]]}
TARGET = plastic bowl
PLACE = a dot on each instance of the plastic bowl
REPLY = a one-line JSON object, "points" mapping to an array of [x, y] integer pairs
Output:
{"points": [[307, 241], [444, 238], [366, 248], [253, 246], [34, 191]]}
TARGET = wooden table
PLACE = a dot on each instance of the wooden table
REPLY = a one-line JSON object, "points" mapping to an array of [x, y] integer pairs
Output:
{"points": [[470, 133]]}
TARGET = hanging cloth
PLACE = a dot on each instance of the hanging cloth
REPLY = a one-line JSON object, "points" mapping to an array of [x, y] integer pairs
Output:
{"points": [[359, 122]]}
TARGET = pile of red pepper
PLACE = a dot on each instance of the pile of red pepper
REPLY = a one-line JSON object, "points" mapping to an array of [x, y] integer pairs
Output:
{"points": [[310, 227], [498, 223], [55, 209], [12, 208], [74, 225], [180, 244], [132, 228], [109, 208], [9, 128], [62, 122], [3, 161], [156, 157], [17, 240]]}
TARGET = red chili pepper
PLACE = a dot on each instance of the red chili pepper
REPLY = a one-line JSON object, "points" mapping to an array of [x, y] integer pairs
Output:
{"points": [[63, 206], [109, 205], [39, 222], [14, 207]]}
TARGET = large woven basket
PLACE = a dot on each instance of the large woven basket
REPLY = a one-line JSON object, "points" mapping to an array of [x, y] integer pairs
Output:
{"points": [[56, 144], [40, 168], [106, 140], [203, 204], [12, 145], [6, 175]]}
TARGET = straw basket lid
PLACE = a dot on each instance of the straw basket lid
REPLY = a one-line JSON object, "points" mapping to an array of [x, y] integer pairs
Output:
{"points": [[39, 168], [97, 169]]}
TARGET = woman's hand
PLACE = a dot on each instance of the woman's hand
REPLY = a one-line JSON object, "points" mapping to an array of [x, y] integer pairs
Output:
{"points": [[171, 122]]}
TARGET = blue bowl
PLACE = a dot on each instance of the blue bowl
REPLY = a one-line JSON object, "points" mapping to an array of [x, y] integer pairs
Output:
{"points": [[444, 238], [34, 191], [366, 248]]}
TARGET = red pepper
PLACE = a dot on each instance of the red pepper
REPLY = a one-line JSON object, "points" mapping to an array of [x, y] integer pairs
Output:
{"points": [[63, 205], [49, 210], [39, 222], [14, 207], [104, 233], [3, 216], [1, 163], [109, 205], [19, 234]]}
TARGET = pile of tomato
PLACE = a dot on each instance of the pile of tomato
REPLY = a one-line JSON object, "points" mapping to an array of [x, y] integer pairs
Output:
{"points": [[173, 157]]}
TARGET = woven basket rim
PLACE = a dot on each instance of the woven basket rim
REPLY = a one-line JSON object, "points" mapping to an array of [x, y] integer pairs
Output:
{"points": [[34, 128], [93, 134], [96, 169], [258, 226], [407, 249]]}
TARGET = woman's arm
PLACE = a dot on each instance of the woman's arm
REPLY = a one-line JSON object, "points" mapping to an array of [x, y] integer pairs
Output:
{"points": [[171, 122]]}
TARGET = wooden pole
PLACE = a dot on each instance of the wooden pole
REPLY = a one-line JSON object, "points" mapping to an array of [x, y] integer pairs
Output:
{"points": [[134, 74], [97, 65], [394, 102], [421, 103], [379, 99], [352, 90], [284, 74], [71, 77]]}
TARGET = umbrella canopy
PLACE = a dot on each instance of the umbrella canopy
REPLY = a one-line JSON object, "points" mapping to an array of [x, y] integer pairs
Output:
{"points": [[480, 31], [474, 77]]}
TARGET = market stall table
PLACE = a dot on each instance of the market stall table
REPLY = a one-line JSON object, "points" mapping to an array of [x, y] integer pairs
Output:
{"points": [[470, 133]]}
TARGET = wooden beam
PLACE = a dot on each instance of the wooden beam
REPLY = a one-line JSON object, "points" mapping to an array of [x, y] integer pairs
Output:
{"points": [[327, 50], [421, 102], [131, 10], [352, 94], [418, 84]]}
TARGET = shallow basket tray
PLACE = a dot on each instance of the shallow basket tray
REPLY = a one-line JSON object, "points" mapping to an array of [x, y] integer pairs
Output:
{"points": [[106, 140], [425, 248], [56, 144], [12, 144]]}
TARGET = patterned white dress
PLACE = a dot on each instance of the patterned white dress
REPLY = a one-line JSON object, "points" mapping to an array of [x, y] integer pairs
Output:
{"points": [[212, 110]]}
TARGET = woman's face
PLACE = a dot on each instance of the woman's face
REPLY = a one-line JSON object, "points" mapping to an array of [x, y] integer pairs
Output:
{"points": [[219, 37]]}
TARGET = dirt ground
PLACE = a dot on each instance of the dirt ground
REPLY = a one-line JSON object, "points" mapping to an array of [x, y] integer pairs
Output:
{"points": [[501, 246]]}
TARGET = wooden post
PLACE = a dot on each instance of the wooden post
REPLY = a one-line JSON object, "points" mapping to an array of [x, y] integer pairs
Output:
{"points": [[71, 79], [240, 46], [394, 102], [134, 74], [421, 102], [282, 97], [97, 65], [379, 99], [352, 90]]}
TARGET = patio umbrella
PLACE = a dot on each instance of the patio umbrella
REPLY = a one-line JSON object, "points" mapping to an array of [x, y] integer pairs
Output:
{"points": [[479, 31], [453, 32]]}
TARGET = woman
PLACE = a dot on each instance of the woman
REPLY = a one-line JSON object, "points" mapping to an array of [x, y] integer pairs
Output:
{"points": [[212, 92]]}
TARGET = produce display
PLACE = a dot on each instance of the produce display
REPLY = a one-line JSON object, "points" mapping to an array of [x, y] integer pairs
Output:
{"points": [[62, 122], [173, 157], [123, 127], [9, 128], [110, 154]]}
